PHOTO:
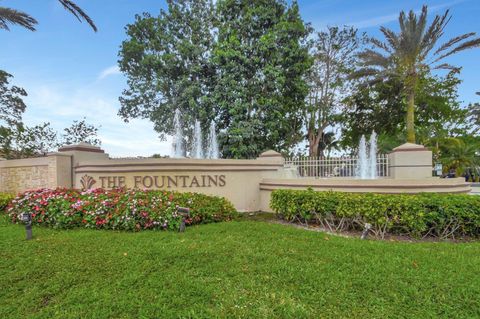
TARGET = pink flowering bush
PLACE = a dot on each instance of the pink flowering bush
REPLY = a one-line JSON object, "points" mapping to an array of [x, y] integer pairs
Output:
{"points": [[119, 209]]}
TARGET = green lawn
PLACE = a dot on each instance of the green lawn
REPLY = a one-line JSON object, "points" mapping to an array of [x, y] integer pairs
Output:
{"points": [[245, 269]]}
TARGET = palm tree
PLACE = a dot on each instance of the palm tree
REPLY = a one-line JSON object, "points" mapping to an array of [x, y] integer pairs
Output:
{"points": [[459, 155], [410, 53], [15, 17]]}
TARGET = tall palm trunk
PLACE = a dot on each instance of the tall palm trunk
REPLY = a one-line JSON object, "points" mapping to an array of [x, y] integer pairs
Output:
{"points": [[411, 116]]}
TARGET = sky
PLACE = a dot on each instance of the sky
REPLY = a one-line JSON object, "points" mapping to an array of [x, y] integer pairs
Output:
{"points": [[70, 72]]}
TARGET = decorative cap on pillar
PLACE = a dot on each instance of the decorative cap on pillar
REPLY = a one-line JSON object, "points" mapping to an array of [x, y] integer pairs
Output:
{"points": [[270, 153], [409, 147], [82, 147]]}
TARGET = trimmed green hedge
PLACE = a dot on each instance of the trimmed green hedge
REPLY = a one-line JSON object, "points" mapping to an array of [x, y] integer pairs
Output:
{"points": [[425, 214], [120, 209]]}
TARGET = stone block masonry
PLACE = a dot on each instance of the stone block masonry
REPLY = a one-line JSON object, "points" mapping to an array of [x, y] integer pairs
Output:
{"points": [[50, 171]]}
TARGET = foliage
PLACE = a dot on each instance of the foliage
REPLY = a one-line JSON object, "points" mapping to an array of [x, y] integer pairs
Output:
{"points": [[459, 154], [379, 107], [474, 118], [410, 54], [15, 17], [334, 56], [37, 140], [5, 200], [118, 209], [232, 270], [427, 214], [261, 59], [80, 131], [167, 61], [11, 110], [238, 64]]}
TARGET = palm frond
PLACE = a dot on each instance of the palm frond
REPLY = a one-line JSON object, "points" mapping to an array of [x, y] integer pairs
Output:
{"points": [[391, 37], [381, 45], [78, 13], [364, 72], [418, 27], [434, 32], [373, 58], [15, 17], [464, 46], [446, 66], [454, 41]]}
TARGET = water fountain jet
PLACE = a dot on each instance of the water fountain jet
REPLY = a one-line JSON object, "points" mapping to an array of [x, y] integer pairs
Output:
{"points": [[197, 141], [178, 149], [212, 151]]}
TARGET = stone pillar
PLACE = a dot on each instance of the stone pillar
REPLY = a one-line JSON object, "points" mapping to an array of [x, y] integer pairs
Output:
{"points": [[59, 170], [82, 152], [410, 161], [271, 156]]}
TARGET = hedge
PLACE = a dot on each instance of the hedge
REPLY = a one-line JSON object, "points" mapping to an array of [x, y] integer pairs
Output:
{"points": [[421, 215], [4, 200], [118, 209]]}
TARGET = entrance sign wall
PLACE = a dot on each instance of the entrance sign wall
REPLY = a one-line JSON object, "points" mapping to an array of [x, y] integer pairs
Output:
{"points": [[246, 183]]}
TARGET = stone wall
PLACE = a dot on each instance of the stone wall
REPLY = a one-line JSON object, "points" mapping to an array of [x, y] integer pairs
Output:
{"points": [[50, 171], [17, 179], [246, 183]]}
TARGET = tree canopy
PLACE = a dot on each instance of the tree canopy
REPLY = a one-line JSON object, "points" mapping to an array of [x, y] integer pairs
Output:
{"points": [[240, 64], [411, 53]]}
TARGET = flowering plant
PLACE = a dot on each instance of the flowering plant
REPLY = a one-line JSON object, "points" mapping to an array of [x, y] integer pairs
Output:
{"points": [[119, 209]]}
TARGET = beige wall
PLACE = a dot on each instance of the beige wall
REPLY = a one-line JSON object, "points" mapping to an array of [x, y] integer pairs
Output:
{"points": [[237, 180], [32, 173], [246, 183]]}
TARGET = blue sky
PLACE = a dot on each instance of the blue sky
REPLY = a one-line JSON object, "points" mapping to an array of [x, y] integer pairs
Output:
{"points": [[70, 72]]}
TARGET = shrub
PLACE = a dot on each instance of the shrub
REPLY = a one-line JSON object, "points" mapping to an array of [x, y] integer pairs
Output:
{"points": [[118, 209], [4, 200], [426, 214]]}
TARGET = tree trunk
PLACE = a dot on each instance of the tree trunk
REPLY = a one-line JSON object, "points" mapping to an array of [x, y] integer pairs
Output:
{"points": [[312, 145], [313, 142], [411, 117]]}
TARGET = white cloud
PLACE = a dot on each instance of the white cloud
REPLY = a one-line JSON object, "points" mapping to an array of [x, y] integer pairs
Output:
{"points": [[113, 70], [61, 106]]}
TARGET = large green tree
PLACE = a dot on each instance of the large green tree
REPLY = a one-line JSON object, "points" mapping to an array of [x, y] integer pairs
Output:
{"points": [[378, 108], [167, 61], [334, 56], [474, 117], [411, 53], [9, 16], [261, 60], [11, 110], [239, 64]]}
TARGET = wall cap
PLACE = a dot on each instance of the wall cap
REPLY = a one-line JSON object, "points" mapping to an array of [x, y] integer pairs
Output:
{"points": [[82, 147], [410, 147], [270, 153], [58, 154]]}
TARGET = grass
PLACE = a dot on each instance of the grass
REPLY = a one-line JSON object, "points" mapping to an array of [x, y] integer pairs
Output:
{"points": [[246, 269]]}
